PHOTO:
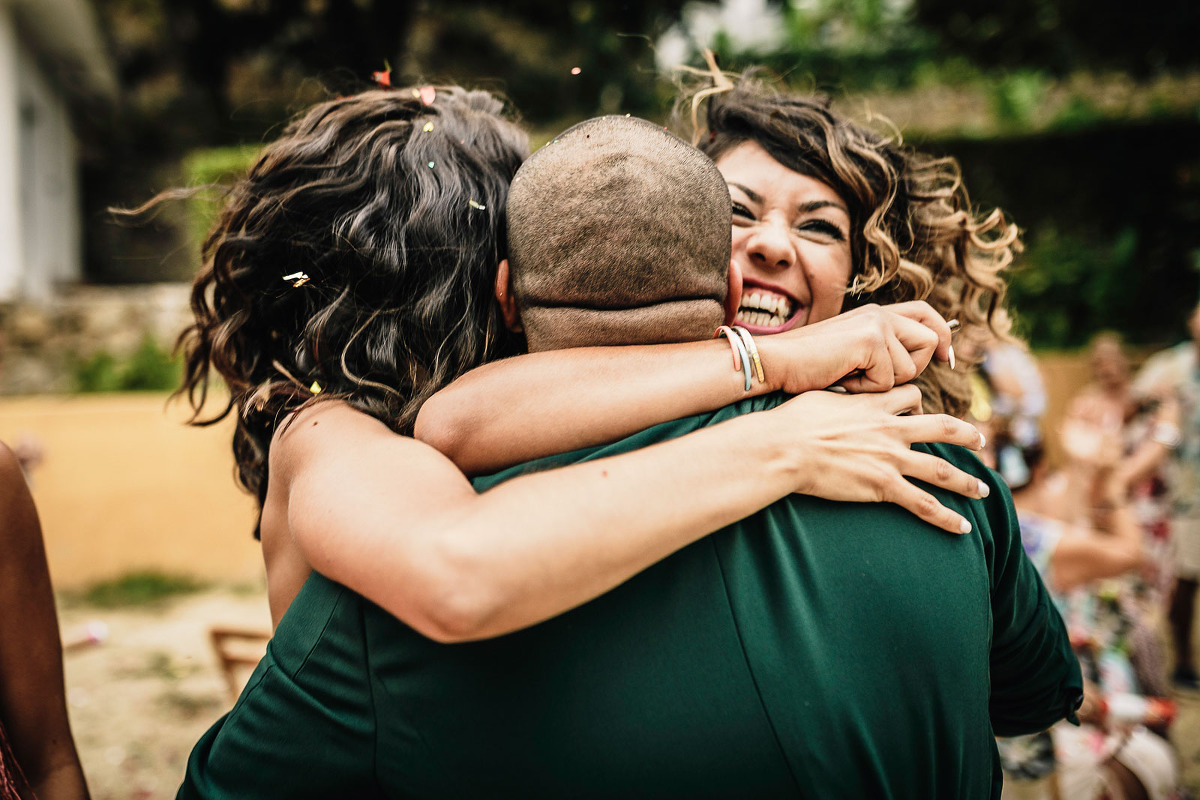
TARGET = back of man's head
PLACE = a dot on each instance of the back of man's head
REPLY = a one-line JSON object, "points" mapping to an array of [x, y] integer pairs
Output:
{"points": [[618, 233]]}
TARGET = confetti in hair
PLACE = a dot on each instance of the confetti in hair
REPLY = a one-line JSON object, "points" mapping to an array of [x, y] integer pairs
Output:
{"points": [[384, 76]]}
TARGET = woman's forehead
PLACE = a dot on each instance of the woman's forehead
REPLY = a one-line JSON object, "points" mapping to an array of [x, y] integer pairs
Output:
{"points": [[750, 166]]}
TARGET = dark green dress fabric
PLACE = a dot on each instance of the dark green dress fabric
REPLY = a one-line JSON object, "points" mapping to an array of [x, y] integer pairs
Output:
{"points": [[814, 649]]}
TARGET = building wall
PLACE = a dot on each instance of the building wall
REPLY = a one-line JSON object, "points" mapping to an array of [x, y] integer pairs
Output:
{"points": [[40, 233], [49, 187], [11, 239]]}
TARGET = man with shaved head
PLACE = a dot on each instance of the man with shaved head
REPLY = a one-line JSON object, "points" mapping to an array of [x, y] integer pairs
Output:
{"points": [[814, 649], [640, 255]]}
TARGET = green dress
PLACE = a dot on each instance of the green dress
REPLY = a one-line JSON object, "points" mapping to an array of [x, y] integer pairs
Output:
{"points": [[814, 649]]}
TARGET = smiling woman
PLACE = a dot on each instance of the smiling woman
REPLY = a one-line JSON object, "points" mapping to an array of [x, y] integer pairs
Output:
{"points": [[791, 238], [830, 215]]}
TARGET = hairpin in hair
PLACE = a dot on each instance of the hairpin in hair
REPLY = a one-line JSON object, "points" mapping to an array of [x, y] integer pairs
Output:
{"points": [[298, 279]]}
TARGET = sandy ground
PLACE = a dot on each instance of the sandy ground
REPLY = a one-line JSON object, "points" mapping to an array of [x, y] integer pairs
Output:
{"points": [[140, 700]]}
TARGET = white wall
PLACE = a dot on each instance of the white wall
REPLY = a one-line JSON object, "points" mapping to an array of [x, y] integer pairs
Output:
{"points": [[50, 208], [40, 226], [12, 261]]}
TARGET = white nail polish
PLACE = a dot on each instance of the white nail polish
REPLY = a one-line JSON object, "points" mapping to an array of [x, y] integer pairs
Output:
{"points": [[964, 527], [982, 441], [984, 489], [951, 356]]}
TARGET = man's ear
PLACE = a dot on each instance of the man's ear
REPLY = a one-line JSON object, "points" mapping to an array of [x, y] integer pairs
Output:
{"points": [[734, 298], [504, 296]]}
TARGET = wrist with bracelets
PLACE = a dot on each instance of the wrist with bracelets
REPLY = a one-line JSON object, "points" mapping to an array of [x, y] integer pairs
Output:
{"points": [[745, 353]]}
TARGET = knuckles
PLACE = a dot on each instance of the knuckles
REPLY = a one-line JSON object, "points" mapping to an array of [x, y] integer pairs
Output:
{"points": [[943, 471], [951, 427]]}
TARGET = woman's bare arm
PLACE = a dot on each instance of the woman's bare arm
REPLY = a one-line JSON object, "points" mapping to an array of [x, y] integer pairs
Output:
{"points": [[1084, 556], [1109, 543], [32, 698], [544, 403], [394, 520]]}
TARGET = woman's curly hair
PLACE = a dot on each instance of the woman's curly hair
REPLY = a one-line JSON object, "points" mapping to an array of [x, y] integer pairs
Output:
{"points": [[355, 262], [913, 235]]}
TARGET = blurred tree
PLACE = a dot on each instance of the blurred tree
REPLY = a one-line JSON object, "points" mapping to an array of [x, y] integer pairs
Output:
{"points": [[1066, 35], [220, 71], [198, 74]]}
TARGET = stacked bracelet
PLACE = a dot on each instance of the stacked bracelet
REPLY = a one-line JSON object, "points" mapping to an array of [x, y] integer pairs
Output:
{"points": [[745, 353], [752, 349]]}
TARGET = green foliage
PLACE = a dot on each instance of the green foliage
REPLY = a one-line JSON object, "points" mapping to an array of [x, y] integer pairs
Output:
{"points": [[1078, 114], [99, 373], [139, 589], [1015, 98], [216, 167], [149, 368], [1070, 286]]}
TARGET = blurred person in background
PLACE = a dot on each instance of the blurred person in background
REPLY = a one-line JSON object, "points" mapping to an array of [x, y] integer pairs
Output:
{"points": [[1172, 377], [1144, 426], [1008, 398], [39, 759], [1079, 529]]}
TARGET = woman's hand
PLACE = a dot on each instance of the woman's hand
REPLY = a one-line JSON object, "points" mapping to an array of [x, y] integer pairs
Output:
{"points": [[858, 448], [868, 349]]}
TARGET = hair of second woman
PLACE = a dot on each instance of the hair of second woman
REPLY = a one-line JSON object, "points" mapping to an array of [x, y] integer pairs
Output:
{"points": [[355, 262], [913, 236]]}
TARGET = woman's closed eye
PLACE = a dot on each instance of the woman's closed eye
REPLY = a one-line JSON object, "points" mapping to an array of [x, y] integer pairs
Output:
{"points": [[822, 227], [740, 210]]}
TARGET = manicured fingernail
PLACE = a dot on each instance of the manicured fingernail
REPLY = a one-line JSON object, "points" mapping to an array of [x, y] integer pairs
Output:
{"points": [[984, 489], [982, 441], [964, 527], [951, 356]]}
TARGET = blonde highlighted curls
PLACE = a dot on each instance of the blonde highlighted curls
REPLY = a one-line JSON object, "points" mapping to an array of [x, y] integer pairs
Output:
{"points": [[914, 235], [354, 262]]}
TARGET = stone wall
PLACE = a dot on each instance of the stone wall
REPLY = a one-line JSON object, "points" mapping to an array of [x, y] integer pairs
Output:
{"points": [[42, 343]]}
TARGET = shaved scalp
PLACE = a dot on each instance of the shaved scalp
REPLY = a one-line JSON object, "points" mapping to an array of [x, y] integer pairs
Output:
{"points": [[618, 234]]}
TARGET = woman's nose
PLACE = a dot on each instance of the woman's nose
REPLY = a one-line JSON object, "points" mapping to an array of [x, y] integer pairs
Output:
{"points": [[770, 247]]}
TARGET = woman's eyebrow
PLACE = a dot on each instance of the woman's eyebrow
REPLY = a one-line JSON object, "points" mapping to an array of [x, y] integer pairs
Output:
{"points": [[804, 208], [816, 205], [752, 195]]}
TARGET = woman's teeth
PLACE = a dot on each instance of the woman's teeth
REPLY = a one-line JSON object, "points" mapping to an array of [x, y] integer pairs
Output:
{"points": [[768, 310]]}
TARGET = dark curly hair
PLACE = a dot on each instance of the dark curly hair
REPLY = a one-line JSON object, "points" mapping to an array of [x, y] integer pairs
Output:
{"points": [[913, 236], [387, 213]]}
